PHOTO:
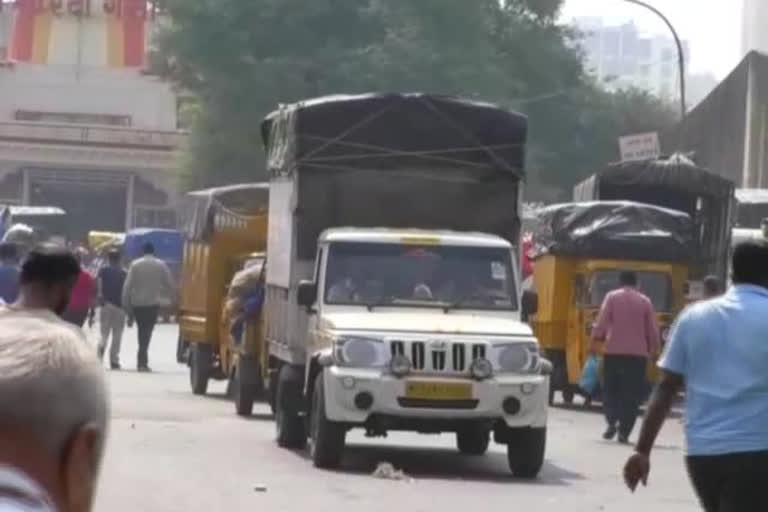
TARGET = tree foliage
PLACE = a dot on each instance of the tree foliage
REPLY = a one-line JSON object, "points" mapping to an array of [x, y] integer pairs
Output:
{"points": [[238, 59]]}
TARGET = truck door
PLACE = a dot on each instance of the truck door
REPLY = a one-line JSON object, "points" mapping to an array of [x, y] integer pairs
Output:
{"points": [[313, 341]]}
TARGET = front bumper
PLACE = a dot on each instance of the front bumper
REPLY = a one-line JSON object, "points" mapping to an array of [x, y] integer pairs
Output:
{"points": [[342, 385]]}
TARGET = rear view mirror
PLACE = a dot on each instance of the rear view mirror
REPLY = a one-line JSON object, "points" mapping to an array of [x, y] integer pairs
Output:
{"points": [[306, 294]]}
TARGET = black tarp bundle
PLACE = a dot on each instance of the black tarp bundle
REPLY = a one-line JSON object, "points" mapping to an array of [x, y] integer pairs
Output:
{"points": [[400, 161], [679, 184], [615, 230], [200, 208]]}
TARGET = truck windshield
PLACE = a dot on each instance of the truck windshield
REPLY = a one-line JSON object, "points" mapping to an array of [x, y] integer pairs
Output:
{"points": [[379, 274], [655, 285]]}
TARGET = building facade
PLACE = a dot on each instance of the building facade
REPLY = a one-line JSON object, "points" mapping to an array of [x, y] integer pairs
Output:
{"points": [[727, 133], [619, 56], [82, 125]]}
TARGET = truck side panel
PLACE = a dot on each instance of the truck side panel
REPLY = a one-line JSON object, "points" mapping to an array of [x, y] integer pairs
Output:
{"points": [[287, 321]]}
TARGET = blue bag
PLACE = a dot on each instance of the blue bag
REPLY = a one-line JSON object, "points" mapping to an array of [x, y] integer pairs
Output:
{"points": [[590, 375]]}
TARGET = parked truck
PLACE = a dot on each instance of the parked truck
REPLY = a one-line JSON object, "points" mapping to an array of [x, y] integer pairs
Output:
{"points": [[678, 184], [392, 296]]}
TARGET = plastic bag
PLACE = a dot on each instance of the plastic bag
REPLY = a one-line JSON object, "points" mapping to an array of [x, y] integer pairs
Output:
{"points": [[590, 375]]}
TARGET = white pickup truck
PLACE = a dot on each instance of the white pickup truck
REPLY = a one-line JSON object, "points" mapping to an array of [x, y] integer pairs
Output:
{"points": [[392, 295], [419, 330]]}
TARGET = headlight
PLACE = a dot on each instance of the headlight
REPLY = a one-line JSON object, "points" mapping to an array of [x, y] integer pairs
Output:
{"points": [[517, 358], [481, 368], [361, 352], [400, 365]]}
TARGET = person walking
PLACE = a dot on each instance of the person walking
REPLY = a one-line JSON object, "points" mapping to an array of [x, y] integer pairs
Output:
{"points": [[147, 286], [54, 409], [111, 278], [718, 352], [628, 334], [9, 272], [47, 277], [83, 296]]}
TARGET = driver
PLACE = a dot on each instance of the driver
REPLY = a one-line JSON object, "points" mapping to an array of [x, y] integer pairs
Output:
{"points": [[343, 291]]}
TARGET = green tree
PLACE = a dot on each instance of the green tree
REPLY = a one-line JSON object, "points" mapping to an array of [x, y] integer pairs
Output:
{"points": [[240, 58]]}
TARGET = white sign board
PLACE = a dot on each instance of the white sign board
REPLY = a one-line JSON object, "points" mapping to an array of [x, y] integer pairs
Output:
{"points": [[641, 146]]}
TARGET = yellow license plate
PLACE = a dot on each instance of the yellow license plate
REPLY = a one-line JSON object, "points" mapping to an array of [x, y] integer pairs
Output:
{"points": [[424, 390]]}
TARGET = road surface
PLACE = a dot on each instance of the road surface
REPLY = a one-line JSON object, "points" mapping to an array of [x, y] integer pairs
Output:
{"points": [[172, 451]]}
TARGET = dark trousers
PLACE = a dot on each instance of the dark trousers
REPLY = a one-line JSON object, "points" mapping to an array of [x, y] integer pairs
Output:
{"points": [[75, 317], [735, 482], [624, 386], [146, 318]]}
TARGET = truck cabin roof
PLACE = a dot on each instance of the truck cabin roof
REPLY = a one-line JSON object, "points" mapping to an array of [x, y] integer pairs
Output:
{"points": [[200, 207], [413, 237], [382, 131]]}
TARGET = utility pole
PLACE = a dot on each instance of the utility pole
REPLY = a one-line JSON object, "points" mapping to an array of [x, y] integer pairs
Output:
{"points": [[680, 62]]}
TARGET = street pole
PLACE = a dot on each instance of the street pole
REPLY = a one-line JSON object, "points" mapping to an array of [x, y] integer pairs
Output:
{"points": [[680, 60]]}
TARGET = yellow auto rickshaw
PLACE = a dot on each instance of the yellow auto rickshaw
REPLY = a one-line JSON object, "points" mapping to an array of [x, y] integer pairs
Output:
{"points": [[582, 250], [224, 227]]}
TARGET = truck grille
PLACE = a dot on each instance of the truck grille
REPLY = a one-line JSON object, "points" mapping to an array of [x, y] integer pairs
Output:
{"points": [[445, 356]]}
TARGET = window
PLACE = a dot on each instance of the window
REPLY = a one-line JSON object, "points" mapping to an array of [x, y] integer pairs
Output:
{"points": [[656, 285], [72, 118], [386, 274]]}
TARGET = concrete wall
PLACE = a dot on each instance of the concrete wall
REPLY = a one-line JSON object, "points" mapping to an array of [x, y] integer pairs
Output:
{"points": [[150, 103]]}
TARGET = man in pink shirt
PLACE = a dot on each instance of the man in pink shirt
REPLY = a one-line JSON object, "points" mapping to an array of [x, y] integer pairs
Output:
{"points": [[628, 334]]}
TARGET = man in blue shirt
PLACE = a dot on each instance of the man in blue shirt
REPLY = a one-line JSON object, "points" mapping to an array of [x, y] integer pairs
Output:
{"points": [[718, 350], [9, 273], [112, 317]]}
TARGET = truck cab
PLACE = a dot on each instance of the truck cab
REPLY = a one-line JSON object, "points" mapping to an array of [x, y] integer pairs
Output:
{"points": [[420, 330]]}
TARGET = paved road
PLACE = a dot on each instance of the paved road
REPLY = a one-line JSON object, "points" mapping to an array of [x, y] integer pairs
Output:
{"points": [[172, 451]]}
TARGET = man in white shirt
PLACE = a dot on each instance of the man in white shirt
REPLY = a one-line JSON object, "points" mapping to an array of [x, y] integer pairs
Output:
{"points": [[53, 416], [148, 285]]}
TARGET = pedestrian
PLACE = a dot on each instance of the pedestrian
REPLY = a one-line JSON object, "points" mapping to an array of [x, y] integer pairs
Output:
{"points": [[712, 287], [111, 278], [47, 277], [148, 285], [9, 272], [83, 296], [53, 417], [628, 334], [717, 351]]}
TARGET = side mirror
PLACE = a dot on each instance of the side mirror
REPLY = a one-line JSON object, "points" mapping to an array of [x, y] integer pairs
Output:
{"points": [[306, 294]]}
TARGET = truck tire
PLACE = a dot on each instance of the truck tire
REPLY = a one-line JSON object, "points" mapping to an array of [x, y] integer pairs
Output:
{"points": [[473, 440], [246, 385], [200, 367], [327, 438], [288, 400], [182, 350], [525, 451]]}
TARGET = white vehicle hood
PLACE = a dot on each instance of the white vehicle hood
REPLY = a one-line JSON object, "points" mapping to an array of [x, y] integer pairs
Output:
{"points": [[426, 321]]}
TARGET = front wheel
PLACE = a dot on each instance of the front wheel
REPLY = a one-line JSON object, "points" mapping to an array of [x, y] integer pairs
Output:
{"points": [[473, 440], [200, 367], [288, 400], [327, 438], [525, 451]]}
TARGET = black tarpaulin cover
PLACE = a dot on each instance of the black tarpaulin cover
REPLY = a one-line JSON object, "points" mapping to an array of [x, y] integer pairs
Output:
{"points": [[199, 208], [676, 173], [393, 131], [615, 230]]}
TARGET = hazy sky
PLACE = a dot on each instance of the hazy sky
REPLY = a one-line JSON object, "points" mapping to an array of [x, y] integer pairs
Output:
{"points": [[712, 27]]}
